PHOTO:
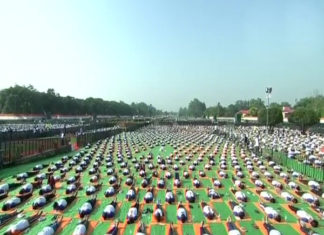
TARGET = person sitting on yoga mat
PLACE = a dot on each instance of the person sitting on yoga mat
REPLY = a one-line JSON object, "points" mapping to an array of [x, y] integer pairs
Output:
{"points": [[51, 228], [238, 183], [161, 183], [259, 184], [207, 210], [270, 212], [217, 183], [87, 207], [73, 179], [212, 193], [232, 229], [23, 224], [158, 213], [131, 194], [113, 229], [190, 196], [4, 189], [266, 196], [239, 195], [196, 182], [182, 213], [294, 186], [133, 213], [186, 174], [310, 198], [145, 182], [63, 203], [129, 180], [6, 218], [71, 188], [169, 196], [288, 197], [314, 185], [177, 181], [45, 189], [42, 200], [113, 179], [110, 210], [270, 229], [94, 178], [237, 209], [26, 189], [304, 216], [15, 201], [277, 184], [149, 196], [90, 190], [40, 177], [82, 227], [22, 176]]}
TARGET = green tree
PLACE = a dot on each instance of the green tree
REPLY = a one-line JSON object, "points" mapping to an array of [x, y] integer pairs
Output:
{"points": [[275, 116], [304, 117], [196, 108], [253, 111]]}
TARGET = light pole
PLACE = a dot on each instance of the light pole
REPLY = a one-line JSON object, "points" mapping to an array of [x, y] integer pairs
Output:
{"points": [[268, 95]]}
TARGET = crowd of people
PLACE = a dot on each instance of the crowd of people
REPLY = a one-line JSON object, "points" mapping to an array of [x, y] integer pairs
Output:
{"points": [[308, 147], [126, 164]]}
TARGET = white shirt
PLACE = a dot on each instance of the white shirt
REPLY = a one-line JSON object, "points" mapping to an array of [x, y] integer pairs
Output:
{"points": [[148, 195], [80, 229], [266, 195], [46, 188], [304, 215], [234, 232], [208, 210], [4, 187], [71, 187], [240, 195], [287, 196], [14, 200], [313, 184], [158, 212], [20, 226], [181, 211], [189, 194], [132, 213], [292, 185], [130, 193], [40, 200], [307, 196], [91, 189], [270, 211], [169, 195], [62, 202], [274, 232], [47, 231], [109, 209], [238, 209], [86, 206], [28, 187], [258, 183]]}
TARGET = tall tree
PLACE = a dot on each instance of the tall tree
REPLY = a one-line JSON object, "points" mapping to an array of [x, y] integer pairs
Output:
{"points": [[304, 117], [275, 116], [196, 108]]}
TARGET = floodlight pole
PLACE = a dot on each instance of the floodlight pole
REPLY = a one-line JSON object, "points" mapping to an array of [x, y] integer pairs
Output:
{"points": [[268, 94]]}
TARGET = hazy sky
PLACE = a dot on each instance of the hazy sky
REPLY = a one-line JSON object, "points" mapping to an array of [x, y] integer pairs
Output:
{"points": [[164, 53]]}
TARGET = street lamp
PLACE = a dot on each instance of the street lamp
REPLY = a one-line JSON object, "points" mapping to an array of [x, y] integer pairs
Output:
{"points": [[268, 91]]}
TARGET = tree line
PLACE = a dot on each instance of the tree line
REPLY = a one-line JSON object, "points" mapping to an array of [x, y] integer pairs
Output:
{"points": [[307, 111], [27, 100]]}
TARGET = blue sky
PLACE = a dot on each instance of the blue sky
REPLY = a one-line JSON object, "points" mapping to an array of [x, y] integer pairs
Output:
{"points": [[164, 52]]}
